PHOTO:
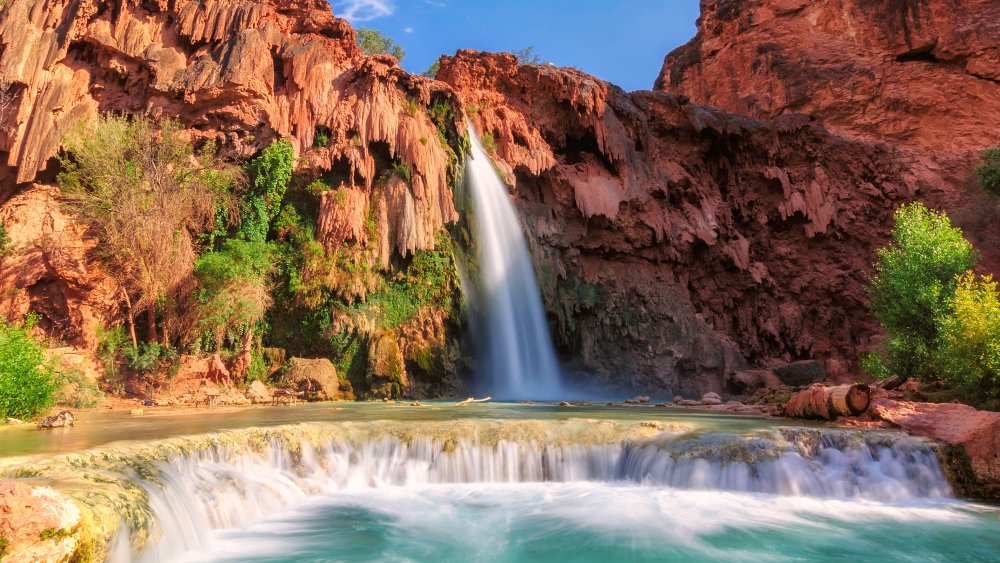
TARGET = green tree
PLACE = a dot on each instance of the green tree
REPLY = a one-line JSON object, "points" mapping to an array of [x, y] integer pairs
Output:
{"points": [[988, 171], [374, 42], [147, 195], [432, 71], [27, 380], [271, 172], [915, 278], [528, 56], [234, 292], [968, 354]]}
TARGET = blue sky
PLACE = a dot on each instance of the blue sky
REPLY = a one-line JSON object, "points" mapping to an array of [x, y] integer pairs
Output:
{"points": [[622, 41]]}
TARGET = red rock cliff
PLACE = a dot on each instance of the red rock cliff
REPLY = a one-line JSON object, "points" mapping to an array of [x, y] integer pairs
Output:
{"points": [[676, 242], [239, 72]]}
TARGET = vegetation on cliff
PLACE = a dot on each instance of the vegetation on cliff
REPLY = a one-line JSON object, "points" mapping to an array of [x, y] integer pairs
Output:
{"points": [[942, 321], [27, 381], [374, 42], [988, 171]]}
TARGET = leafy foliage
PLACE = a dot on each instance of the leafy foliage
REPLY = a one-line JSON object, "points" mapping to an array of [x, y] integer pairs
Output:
{"points": [[527, 56], [27, 381], [77, 392], [374, 42], [322, 137], [149, 357], [988, 171], [4, 241], [915, 278], [432, 71], [147, 195], [968, 356], [489, 143], [271, 173], [233, 292], [110, 343]]}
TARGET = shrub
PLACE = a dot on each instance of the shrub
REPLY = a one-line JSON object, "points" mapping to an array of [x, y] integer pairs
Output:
{"points": [[527, 56], [271, 173], [489, 143], [78, 392], [374, 42], [988, 171], [322, 137], [27, 380], [873, 364], [110, 343], [915, 277], [149, 357], [432, 71], [968, 354], [5, 245], [233, 292], [403, 169]]}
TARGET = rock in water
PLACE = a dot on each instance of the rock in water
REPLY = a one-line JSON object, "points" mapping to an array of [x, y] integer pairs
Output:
{"points": [[711, 399], [58, 420]]}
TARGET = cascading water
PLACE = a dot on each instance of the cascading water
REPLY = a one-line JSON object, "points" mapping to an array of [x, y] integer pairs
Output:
{"points": [[511, 490], [519, 358]]}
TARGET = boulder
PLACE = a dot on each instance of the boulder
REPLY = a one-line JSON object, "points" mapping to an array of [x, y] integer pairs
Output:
{"points": [[798, 374], [257, 393], [315, 378], [37, 524], [711, 399], [971, 455]]}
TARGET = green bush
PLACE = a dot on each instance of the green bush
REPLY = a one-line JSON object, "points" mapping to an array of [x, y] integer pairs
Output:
{"points": [[110, 343], [149, 357], [489, 143], [915, 277], [77, 392], [988, 171], [374, 42], [968, 355], [322, 137], [5, 245], [27, 381], [873, 365], [271, 173]]}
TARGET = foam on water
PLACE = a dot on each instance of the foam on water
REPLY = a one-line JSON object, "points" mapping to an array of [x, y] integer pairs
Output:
{"points": [[194, 494]]}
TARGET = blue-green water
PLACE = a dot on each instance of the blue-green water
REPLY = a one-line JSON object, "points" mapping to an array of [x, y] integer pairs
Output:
{"points": [[608, 522]]}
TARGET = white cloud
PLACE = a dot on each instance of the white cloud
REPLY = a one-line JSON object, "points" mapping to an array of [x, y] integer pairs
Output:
{"points": [[435, 3], [356, 11], [408, 29]]}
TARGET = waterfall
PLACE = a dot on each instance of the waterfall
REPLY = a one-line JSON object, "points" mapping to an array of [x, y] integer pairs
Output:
{"points": [[519, 359], [236, 479]]}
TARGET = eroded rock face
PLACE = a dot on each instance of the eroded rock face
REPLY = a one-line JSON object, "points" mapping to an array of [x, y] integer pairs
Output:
{"points": [[916, 72], [237, 72], [678, 243], [922, 75], [37, 524]]}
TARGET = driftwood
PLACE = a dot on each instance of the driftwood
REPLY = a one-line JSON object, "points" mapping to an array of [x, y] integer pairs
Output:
{"points": [[820, 401], [470, 400]]}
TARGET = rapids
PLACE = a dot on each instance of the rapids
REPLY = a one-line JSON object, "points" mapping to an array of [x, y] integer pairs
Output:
{"points": [[504, 490]]}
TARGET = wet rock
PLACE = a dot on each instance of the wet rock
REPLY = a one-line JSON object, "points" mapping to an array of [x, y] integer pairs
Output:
{"points": [[688, 403], [972, 454], [11, 420], [638, 400], [315, 378], [801, 373], [37, 524], [565, 404], [61, 419], [748, 381], [711, 399], [677, 399]]}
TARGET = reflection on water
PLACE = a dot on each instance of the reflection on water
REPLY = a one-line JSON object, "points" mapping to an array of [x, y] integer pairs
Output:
{"points": [[98, 428]]}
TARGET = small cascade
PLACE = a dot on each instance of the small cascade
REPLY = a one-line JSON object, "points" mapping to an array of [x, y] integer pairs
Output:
{"points": [[519, 359], [232, 482]]}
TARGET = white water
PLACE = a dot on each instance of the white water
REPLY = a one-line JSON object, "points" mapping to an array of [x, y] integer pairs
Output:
{"points": [[518, 355], [195, 495]]}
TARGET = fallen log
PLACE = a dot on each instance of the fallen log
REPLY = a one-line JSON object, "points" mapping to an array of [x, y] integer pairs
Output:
{"points": [[890, 383], [470, 400], [827, 403]]}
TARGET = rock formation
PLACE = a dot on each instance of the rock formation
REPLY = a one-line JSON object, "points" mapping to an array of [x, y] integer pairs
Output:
{"points": [[238, 73], [922, 75], [676, 242]]}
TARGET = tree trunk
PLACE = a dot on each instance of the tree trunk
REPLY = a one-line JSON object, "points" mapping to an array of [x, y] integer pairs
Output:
{"points": [[828, 403], [131, 318], [151, 320], [241, 367]]}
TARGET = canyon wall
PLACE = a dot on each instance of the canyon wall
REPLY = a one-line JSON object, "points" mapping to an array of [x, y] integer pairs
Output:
{"points": [[238, 73], [674, 243], [677, 243]]}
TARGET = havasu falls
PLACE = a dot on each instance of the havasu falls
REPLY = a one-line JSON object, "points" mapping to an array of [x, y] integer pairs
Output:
{"points": [[267, 294], [518, 358]]}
